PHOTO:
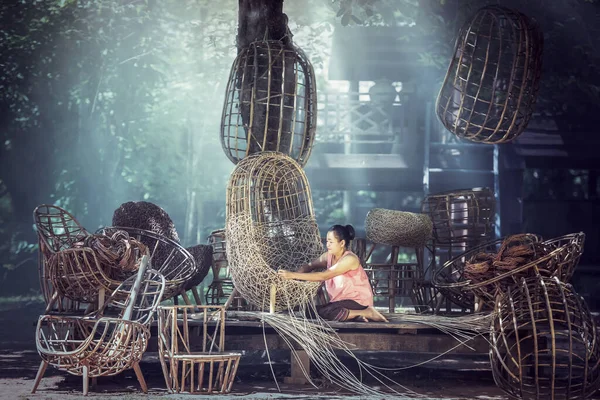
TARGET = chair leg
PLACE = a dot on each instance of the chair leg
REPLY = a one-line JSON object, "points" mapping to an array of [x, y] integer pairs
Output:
{"points": [[186, 299], [51, 303], [165, 371], [196, 295], [86, 380], [39, 375], [140, 377]]}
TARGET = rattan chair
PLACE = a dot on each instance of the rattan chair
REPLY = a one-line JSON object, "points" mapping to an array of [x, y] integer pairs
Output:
{"points": [[211, 370], [98, 344], [57, 230]]}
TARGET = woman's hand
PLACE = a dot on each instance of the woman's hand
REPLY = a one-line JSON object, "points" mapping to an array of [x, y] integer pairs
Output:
{"points": [[285, 274]]}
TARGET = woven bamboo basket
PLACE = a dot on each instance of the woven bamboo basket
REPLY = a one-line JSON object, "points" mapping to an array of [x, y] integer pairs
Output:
{"points": [[491, 85], [270, 225], [554, 257], [544, 342], [462, 217], [270, 103], [398, 228]]}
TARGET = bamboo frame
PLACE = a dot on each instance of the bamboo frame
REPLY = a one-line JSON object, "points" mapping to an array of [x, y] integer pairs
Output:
{"points": [[95, 345], [544, 342], [270, 103], [491, 85], [184, 369]]}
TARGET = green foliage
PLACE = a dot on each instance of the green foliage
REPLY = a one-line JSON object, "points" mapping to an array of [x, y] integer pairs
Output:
{"points": [[104, 102]]}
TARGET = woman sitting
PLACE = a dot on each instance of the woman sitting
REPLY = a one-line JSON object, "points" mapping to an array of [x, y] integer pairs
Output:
{"points": [[347, 284]]}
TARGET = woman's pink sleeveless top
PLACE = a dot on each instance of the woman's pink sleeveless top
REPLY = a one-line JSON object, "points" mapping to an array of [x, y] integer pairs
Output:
{"points": [[352, 285]]}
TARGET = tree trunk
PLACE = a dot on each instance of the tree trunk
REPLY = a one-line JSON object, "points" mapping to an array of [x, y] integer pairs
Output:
{"points": [[264, 20], [261, 20]]}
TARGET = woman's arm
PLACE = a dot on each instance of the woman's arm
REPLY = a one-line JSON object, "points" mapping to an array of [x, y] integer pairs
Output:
{"points": [[319, 263], [344, 265]]}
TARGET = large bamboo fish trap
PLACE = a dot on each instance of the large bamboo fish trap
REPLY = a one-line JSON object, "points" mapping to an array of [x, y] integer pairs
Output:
{"points": [[491, 86], [270, 103], [270, 225], [544, 342]]}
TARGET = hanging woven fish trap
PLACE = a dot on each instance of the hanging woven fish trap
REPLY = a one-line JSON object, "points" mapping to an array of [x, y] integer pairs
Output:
{"points": [[270, 103], [270, 225], [491, 85]]}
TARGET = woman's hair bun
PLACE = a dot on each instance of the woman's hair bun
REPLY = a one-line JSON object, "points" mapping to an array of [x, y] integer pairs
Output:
{"points": [[351, 232]]}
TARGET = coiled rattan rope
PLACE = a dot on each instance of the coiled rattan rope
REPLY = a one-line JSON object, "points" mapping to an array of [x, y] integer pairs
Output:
{"points": [[119, 255]]}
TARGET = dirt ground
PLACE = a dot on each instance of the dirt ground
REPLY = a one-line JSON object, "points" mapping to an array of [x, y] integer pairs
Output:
{"points": [[19, 362]]}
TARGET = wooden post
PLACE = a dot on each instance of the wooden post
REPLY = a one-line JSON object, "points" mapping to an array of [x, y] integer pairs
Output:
{"points": [[297, 377], [272, 298], [230, 299], [393, 279]]}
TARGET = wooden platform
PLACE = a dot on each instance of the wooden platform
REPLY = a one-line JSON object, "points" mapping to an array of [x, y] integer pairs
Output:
{"points": [[412, 342]]}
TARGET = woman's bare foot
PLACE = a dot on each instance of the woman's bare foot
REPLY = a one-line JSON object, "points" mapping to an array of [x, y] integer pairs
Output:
{"points": [[371, 314], [366, 315]]}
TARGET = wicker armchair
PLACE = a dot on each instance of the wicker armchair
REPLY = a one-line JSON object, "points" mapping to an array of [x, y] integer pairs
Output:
{"points": [[57, 230], [211, 370], [108, 341]]}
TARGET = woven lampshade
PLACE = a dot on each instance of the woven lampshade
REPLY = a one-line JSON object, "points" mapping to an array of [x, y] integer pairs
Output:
{"points": [[544, 342], [270, 104], [490, 89], [270, 225]]}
